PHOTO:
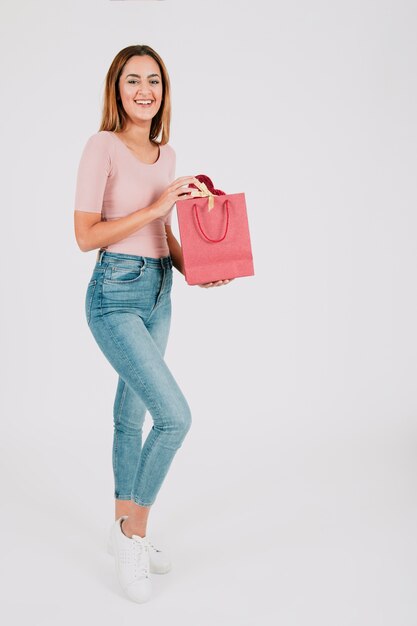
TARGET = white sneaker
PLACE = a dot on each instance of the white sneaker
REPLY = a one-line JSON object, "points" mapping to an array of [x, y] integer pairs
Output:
{"points": [[159, 562], [132, 563]]}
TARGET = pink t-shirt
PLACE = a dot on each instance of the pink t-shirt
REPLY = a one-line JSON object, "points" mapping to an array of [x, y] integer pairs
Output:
{"points": [[111, 180]]}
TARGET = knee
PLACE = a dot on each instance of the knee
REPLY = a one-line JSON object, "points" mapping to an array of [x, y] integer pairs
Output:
{"points": [[179, 423], [183, 421]]}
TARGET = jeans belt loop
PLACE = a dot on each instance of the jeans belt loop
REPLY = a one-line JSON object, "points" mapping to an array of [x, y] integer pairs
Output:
{"points": [[99, 255]]}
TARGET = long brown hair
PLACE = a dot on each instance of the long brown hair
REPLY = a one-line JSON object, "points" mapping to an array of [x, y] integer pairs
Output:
{"points": [[114, 116]]}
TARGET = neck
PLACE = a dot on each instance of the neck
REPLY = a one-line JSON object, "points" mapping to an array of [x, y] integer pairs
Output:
{"points": [[138, 135]]}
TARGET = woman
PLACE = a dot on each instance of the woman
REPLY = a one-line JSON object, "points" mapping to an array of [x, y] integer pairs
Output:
{"points": [[125, 194]]}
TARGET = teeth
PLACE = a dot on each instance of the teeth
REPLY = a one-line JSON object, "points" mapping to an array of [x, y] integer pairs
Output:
{"points": [[143, 101]]}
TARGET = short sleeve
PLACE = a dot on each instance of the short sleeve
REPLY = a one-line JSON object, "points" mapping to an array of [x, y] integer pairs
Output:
{"points": [[168, 218], [93, 171]]}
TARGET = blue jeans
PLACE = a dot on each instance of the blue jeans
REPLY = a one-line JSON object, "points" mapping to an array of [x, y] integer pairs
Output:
{"points": [[128, 310]]}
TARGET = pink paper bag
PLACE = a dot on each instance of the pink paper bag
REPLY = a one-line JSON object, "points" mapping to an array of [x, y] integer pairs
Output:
{"points": [[215, 241]]}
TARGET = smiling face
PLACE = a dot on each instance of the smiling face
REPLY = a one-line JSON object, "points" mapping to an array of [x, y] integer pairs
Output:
{"points": [[140, 87]]}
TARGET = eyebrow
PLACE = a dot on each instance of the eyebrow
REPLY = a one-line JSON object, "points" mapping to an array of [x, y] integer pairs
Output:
{"points": [[137, 75]]}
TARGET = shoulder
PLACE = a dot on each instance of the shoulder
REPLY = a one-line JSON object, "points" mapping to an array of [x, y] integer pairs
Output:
{"points": [[169, 150], [101, 138], [100, 142], [98, 151]]}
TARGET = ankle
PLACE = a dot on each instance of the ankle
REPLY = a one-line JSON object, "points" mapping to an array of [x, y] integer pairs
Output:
{"points": [[128, 531], [124, 531]]}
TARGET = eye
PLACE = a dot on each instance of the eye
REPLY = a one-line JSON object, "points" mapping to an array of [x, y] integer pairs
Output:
{"points": [[156, 82]]}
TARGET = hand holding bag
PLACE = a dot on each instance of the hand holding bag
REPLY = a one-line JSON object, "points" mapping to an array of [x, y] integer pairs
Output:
{"points": [[214, 233]]}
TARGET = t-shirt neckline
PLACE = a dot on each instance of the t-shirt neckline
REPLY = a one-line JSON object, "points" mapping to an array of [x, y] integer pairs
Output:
{"points": [[133, 155]]}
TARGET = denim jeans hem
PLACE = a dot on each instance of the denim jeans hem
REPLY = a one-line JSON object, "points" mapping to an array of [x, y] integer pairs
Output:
{"points": [[140, 503], [121, 497]]}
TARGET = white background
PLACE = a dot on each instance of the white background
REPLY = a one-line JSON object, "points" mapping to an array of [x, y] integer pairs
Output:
{"points": [[293, 498]]}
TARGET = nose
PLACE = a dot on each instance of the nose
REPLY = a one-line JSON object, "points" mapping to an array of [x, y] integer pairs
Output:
{"points": [[144, 94]]}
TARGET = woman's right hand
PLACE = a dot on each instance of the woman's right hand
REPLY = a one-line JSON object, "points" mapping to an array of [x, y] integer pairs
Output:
{"points": [[175, 191]]}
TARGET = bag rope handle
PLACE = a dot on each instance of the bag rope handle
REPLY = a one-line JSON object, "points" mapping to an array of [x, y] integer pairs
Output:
{"points": [[226, 202]]}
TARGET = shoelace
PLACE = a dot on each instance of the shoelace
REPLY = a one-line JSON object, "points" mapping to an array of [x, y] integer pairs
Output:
{"points": [[150, 545], [140, 548]]}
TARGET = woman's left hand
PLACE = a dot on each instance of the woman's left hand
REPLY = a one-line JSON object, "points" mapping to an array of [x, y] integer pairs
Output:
{"points": [[217, 283]]}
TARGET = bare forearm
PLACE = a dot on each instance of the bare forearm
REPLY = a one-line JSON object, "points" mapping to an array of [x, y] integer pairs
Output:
{"points": [[175, 251], [105, 233]]}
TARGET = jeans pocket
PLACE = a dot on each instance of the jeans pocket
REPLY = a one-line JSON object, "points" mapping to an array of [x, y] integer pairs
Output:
{"points": [[119, 273], [89, 298]]}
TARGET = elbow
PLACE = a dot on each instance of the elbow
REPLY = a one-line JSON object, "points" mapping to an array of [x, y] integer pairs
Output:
{"points": [[83, 239], [83, 245], [80, 245]]}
